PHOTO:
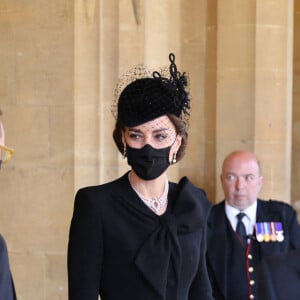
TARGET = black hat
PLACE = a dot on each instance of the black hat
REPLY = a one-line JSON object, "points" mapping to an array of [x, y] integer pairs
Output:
{"points": [[148, 98]]}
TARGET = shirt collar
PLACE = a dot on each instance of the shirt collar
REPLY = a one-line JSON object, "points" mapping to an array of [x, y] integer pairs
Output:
{"points": [[249, 220]]}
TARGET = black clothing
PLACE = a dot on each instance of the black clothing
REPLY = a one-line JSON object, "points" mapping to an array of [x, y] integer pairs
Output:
{"points": [[280, 277], [119, 249], [7, 289], [236, 270]]}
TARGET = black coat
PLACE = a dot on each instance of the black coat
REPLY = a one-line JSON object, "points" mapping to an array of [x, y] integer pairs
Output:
{"points": [[7, 290], [119, 249], [280, 277], [218, 246]]}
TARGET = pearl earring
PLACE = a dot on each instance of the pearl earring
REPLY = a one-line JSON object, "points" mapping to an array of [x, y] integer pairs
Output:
{"points": [[174, 158]]}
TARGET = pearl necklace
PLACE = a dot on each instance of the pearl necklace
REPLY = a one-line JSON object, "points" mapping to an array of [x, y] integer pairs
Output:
{"points": [[156, 204]]}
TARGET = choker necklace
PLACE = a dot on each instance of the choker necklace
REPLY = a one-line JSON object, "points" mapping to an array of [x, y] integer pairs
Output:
{"points": [[156, 204]]}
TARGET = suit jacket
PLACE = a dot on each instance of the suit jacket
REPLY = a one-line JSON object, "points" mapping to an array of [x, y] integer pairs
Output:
{"points": [[218, 249], [7, 290], [280, 277], [119, 249]]}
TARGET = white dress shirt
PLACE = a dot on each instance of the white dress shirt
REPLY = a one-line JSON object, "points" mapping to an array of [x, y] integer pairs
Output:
{"points": [[249, 220]]}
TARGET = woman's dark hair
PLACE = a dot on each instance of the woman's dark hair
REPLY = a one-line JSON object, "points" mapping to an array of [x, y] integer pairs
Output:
{"points": [[180, 127]]}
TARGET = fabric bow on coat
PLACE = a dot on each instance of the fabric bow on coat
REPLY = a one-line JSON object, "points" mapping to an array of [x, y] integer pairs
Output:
{"points": [[162, 246]]}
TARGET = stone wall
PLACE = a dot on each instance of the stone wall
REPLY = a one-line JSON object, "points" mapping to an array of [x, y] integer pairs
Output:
{"points": [[60, 62]]}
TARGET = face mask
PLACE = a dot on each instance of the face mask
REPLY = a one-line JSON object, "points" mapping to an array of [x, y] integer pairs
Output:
{"points": [[148, 162]]}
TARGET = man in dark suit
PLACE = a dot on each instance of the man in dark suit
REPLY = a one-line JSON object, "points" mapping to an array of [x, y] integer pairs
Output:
{"points": [[242, 230], [7, 290]]}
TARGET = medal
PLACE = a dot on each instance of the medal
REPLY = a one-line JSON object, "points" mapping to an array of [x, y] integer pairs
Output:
{"points": [[259, 232], [273, 233], [267, 236], [279, 231], [269, 232]]}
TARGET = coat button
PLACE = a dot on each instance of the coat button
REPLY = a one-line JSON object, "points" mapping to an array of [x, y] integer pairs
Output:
{"points": [[252, 282], [251, 269], [251, 296], [249, 256]]}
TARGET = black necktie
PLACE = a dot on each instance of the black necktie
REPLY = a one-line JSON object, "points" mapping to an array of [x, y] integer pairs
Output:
{"points": [[240, 228]]}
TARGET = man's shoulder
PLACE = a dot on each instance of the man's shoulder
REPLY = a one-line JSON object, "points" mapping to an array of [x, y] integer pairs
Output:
{"points": [[277, 204], [276, 207], [219, 205], [217, 209]]}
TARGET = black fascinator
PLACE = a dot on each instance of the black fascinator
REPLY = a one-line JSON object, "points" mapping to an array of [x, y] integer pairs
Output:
{"points": [[141, 96]]}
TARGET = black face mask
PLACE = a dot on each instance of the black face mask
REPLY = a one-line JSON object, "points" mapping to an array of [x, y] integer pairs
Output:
{"points": [[148, 162]]}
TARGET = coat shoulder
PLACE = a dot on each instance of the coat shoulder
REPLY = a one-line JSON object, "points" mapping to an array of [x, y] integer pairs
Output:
{"points": [[105, 188], [276, 205]]}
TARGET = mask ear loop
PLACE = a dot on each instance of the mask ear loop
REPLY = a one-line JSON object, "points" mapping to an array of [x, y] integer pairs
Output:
{"points": [[124, 151], [174, 158], [124, 145]]}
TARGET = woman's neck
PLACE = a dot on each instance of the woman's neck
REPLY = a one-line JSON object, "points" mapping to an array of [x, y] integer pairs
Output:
{"points": [[148, 188]]}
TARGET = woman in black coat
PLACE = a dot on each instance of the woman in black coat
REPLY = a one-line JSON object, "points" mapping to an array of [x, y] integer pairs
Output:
{"points": [[142, 237]]}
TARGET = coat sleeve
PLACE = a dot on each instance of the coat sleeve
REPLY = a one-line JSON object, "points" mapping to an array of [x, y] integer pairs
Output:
{"points": [[293, 228], [201, 288], [7, 291], [84, 249]]}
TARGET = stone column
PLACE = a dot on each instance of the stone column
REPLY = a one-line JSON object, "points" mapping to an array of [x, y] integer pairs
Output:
{"points": [[254, 88], [235, 80], [273, 95], [108, 45], [198, 33], [86, 93], [95, 76], [296, 110]]}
